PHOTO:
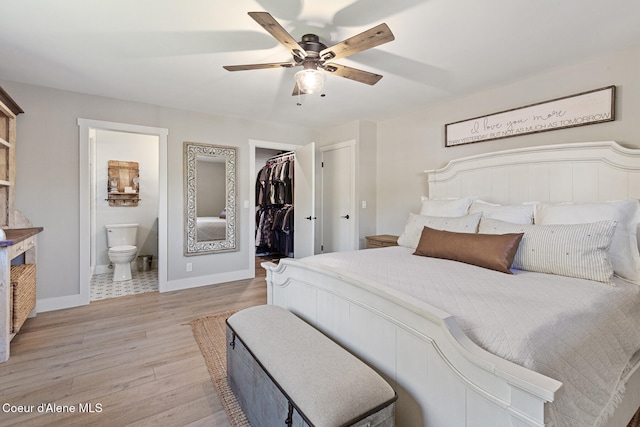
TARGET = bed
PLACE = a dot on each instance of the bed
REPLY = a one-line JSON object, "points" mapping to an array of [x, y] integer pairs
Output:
{"points": [[211, 228], [446, 353]]}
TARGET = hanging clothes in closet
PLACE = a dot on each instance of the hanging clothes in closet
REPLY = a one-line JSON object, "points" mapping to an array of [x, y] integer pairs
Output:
{"points": [[274, 206]]}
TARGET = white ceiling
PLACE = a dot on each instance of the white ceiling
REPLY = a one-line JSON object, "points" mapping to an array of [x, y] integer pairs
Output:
{"points": [[171, 52]]}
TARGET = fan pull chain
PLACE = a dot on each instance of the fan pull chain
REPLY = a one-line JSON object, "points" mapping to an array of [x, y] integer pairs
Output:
{"points": [[299, 103]]}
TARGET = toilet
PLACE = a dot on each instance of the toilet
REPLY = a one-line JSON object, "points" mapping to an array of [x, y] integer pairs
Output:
{"points": [[121, 240]]}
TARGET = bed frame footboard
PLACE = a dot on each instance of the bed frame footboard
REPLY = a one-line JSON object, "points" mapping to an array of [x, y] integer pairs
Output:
{"points": [[441, 377]]}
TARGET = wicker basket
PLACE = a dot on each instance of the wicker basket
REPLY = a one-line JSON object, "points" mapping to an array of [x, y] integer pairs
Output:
{"points": [[23, 283]]}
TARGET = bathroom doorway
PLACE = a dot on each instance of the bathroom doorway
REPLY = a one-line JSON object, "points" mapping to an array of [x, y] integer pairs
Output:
{"points": [[131, 162], [99, 143]]}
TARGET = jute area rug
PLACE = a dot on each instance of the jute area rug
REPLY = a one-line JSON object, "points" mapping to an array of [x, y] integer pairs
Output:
{"points": [[210, 334]]}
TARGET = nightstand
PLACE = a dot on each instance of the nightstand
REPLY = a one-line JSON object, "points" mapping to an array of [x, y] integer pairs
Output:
{"points": [[381, 241]]}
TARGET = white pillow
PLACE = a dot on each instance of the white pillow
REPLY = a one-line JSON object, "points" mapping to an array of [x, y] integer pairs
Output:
{"points": [[410, 237], [445, 207], [574, 250], [624, 247], [517, 214]]}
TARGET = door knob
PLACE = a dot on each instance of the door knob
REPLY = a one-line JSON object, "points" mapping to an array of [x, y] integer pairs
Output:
{"points": [[310, 218], [345, 216]]}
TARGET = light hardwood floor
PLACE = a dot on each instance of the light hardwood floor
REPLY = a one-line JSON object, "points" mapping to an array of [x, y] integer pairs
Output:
{"points": [[134, 355]]}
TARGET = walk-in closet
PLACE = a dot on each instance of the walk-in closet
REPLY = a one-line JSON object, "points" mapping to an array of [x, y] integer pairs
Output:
{"points": [[274, 203]]}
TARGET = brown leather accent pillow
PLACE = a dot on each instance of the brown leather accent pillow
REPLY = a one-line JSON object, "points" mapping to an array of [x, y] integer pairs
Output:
{"points": [[493, 251]]}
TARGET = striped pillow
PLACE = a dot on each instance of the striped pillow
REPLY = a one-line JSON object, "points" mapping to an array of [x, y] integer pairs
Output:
{"points": [[574, 250]]}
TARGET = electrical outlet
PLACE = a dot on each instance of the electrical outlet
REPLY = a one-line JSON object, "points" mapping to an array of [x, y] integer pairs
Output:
{"points": [[189, 266]]}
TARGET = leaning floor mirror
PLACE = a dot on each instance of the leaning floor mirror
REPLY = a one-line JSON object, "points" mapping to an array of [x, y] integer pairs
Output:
{"points": [[210, 198]]}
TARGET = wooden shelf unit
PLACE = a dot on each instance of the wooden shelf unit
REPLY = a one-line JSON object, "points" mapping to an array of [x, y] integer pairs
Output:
{"points": [[18, 241], [126, 174], [8, 112], [123, 199]]}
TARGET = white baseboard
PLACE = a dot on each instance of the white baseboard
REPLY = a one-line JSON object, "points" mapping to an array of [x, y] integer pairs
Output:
{"points": [[213, 279], [60, 303], [70, 301], [101, 269]]}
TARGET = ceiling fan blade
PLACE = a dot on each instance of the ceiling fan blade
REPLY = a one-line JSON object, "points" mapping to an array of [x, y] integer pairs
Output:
{"points": [[365, 12], [366, 40], [283, 9], [352, 73], [259, 66], [272, 26], [407, 68]]}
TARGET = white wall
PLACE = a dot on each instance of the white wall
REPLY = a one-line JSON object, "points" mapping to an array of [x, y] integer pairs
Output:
{"points": [[47, 187], [409, 144], [127, 147]]}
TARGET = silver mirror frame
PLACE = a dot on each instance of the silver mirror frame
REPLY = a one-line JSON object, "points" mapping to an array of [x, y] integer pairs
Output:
{"points": [[193, 150]]}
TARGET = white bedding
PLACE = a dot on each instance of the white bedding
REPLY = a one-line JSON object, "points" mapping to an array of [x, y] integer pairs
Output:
{"points": [[580, 332], [211, 228]]}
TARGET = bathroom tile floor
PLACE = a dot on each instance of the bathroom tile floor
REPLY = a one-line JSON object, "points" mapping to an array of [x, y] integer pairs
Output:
{"points": [[102, 285]]}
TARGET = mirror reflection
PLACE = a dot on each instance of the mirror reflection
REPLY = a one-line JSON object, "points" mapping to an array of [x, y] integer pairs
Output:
{"points": [[210, 175], [211, 202]]}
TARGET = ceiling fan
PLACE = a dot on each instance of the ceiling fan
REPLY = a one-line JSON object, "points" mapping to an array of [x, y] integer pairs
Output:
{"points": [[315, 56]]}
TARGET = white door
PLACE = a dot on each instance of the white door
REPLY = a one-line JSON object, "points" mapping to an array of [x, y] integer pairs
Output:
{"points": [[338, 221], [304, 201]]}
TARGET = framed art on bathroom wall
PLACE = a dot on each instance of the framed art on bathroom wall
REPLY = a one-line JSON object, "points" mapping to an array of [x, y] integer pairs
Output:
{"points": [[123, 183]]}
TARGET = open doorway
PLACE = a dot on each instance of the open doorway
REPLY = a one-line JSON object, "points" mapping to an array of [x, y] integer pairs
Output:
{"points": [[274, 204], [90, 193], [124, 211], [303, 195]]}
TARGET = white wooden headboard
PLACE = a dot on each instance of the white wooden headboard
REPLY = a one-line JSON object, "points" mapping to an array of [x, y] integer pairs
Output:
{"points": [[576, 172]]}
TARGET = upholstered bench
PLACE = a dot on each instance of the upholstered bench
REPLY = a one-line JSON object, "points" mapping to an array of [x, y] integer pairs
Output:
{"points": [[284, 372]]}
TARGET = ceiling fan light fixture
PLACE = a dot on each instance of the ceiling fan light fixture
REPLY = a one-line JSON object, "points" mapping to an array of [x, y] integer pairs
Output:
{"points": [[310, 80], [312, 55]]}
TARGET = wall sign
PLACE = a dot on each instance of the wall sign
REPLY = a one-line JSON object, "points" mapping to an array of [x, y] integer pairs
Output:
{"points": [[585, 108]]}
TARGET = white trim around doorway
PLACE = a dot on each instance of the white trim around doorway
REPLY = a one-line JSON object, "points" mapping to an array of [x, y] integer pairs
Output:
{"points": [[86, 126], [253, 144]]}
